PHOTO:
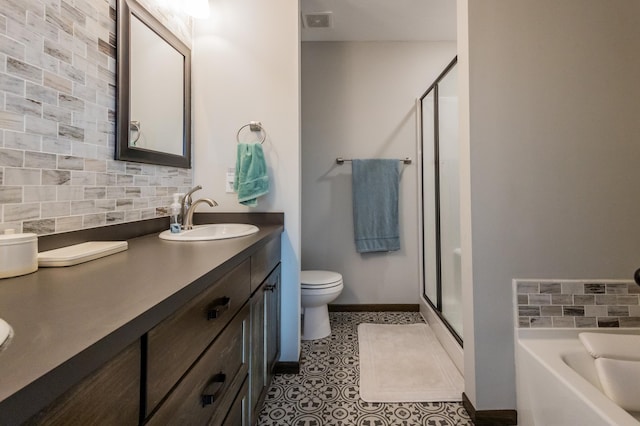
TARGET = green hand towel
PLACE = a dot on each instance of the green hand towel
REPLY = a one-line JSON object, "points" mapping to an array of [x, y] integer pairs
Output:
{"points": [[251, 180]]}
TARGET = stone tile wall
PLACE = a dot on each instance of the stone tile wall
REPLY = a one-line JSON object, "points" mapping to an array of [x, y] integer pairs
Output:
{"points": [[577, 304], [57, 120]]}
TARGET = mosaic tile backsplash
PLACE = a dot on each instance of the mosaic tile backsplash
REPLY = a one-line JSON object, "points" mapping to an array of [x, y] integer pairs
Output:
{"points": [[57, 121], [577, 303]]}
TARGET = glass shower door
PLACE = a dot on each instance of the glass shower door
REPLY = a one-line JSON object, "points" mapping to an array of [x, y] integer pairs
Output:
{"points": [[429, 259], [449, 169], [441, 200]]}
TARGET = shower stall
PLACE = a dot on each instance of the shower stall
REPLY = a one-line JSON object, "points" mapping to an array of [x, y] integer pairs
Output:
{"points": [[440, 199]]}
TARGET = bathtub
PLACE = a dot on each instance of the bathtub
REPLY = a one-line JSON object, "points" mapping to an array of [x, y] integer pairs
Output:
{"points": [[557, 383]]}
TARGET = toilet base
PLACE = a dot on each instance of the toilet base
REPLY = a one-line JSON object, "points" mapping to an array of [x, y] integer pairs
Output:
{"points": [[316, 323]]}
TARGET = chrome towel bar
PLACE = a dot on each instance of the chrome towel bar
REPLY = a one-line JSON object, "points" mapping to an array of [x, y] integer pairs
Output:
{"points": [[340, 160]]}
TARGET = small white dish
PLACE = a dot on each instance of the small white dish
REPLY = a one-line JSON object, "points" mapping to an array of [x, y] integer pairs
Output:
{"points": [[5, 332]]}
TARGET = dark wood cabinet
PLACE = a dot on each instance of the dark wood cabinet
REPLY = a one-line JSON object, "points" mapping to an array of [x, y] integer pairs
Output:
{"points": [[233, 373], [272, 317], [178, 341], [109, 396], [265, 331], [239, 412], [257, 371], [207, 391], [208, 363], [263, 262]]}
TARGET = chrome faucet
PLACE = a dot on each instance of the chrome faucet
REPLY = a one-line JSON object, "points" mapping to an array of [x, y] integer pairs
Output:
{"points": [[188, 218], [186, 203]]}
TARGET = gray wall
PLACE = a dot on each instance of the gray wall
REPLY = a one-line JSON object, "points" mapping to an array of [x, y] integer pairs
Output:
{"points": [[358, 101], [553, 138], [57, 121]]}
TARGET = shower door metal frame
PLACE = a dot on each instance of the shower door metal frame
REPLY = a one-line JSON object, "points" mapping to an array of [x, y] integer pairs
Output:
{"points": [[437, 306]]}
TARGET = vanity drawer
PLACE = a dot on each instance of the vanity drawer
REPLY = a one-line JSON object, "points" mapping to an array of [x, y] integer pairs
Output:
{"points": [[263, 262], [239, 412], [208, 390], [111, 395], [179, 340]]}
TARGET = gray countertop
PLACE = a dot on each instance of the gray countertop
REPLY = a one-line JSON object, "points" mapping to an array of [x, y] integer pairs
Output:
{"points": [[68, 321]]}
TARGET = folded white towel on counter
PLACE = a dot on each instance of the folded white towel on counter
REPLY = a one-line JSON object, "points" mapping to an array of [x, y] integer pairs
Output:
{"points": [[620, 379], [614, 346]]}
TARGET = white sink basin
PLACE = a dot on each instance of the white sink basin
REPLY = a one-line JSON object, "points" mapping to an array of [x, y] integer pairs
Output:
{"points": [[215, 231]]}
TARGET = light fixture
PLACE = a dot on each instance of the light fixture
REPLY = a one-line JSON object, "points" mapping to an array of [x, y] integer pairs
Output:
{"points": [[199, 9]]}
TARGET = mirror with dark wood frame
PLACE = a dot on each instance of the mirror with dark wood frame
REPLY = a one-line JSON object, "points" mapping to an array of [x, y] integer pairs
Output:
{"points": [[153, 117]]}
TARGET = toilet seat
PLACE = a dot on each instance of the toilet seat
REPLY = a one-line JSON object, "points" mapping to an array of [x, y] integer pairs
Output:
{"points": [[319, 280]]}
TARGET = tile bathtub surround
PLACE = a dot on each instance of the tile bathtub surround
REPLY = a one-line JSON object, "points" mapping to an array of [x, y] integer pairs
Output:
{"points": [[57, 121], [577, 303]]}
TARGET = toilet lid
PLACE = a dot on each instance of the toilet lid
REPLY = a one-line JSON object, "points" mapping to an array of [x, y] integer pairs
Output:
{"points": [[316, 279]]}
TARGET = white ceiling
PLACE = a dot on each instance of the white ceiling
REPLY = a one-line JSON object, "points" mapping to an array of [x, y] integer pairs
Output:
{"points": [[383, 20]]}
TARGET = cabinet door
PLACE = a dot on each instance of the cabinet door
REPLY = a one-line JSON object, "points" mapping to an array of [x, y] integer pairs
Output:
{"points": [[272, 326], [257, 366], [265, 338]]}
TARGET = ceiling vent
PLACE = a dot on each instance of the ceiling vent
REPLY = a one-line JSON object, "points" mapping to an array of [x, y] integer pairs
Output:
{"points": [[317, 20]]}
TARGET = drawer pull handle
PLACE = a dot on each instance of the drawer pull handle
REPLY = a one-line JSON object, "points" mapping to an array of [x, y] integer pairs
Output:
{"points": [[211, 393], [218, 307]]}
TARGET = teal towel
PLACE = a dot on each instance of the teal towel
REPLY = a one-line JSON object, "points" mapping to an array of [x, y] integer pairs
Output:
{"points": [[375, 205], [251, 180]]}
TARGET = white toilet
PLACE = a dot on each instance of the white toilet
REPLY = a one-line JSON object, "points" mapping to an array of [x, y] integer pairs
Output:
{"points": [[318, 288]]}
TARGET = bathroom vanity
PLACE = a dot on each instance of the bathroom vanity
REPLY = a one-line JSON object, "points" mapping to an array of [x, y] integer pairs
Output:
{"points": [[163, 333]]}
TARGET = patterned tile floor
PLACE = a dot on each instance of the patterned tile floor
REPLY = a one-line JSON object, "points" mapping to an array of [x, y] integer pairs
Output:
{"points": [[325, 393]]}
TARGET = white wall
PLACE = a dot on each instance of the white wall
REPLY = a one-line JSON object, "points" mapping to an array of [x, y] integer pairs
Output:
{"points": [[246, 67], [358, 101], [553, 150]]}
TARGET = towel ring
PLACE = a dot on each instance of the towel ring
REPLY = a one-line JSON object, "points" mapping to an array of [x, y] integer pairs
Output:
{"points": [[134, 126], [254, 126]]}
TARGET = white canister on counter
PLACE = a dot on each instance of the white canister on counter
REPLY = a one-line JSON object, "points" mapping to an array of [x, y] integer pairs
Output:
{"points": [[18, 254]]}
